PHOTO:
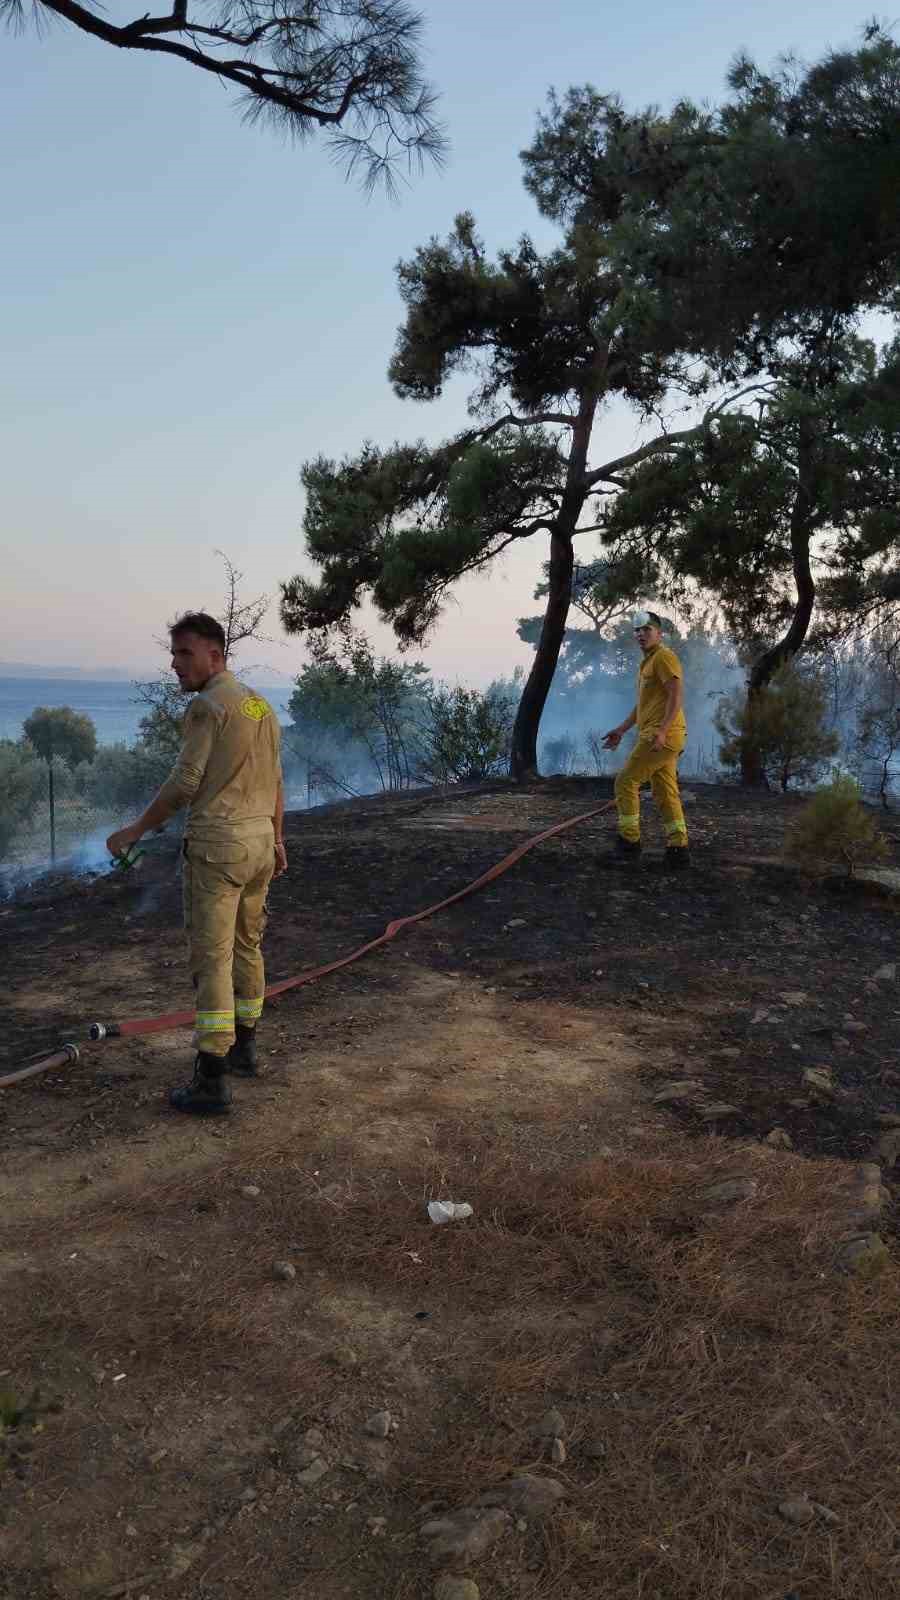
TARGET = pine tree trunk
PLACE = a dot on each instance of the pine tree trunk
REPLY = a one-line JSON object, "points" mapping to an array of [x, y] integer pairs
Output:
{"points": [[752, 773], [523, 761]]}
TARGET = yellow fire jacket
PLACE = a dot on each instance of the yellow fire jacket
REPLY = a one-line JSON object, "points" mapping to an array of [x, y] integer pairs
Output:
{"points": [[228, 771]]}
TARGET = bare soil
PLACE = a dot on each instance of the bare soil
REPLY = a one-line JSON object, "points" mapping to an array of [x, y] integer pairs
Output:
{"points": [[708, 1363]]}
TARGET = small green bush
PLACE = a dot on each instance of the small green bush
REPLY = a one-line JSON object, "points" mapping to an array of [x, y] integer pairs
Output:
{"points": [[783, 723], [835, 829], [23, 781]]}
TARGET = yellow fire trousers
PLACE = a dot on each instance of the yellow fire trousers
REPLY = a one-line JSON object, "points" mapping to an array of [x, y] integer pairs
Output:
{"points": [[225, 886], [659, 768]]}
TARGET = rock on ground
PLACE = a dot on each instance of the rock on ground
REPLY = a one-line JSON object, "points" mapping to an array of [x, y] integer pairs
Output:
{"points": [[462, 1536], [450, 1588], [552, 1425], [526, 1495], [779, 1139], [379, 1426], [730, 1191]]}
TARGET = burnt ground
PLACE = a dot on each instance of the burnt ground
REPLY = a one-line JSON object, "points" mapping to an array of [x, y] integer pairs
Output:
{"points": [[742, 971], [506, 1051]]}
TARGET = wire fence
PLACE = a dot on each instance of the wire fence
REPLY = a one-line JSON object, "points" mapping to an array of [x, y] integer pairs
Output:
{"points": [[56, 832]]}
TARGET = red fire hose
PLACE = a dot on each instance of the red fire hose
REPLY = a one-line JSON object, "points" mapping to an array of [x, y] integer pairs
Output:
{"points": [[185, 1019]]}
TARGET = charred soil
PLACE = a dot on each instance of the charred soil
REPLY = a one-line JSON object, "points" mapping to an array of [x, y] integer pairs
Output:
{"points": [[586, 1055]]}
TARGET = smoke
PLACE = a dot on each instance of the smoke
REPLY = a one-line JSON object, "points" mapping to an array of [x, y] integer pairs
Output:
{"points": [[596, 687]]}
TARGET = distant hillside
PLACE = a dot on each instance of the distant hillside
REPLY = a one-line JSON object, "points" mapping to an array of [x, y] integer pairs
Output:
{"points": [[23, 669]]}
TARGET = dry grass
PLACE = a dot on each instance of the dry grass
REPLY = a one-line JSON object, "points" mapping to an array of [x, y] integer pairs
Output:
{"points": [[722, 1361]]}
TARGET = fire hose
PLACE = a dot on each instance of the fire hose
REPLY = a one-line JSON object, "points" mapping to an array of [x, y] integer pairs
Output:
{"points": [[69, 1054]]}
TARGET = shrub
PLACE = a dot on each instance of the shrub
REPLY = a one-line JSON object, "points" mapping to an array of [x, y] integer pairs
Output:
{"points": [[465, 736], [784, 723], [22, 783], [834, 828], [122, 780]]}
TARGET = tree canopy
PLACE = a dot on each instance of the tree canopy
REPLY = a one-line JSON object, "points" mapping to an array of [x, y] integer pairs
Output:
{"points": [[350, 68], [60, 731], [700, 250], [546, 349]]}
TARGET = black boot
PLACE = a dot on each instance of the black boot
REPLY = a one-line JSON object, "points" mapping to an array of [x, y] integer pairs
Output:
{"points": [[207, 1094], [678, 859], [627, 853], [243, 1059]]}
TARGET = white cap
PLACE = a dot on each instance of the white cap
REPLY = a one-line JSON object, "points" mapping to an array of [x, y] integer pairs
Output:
{"points": [[645, 619]]}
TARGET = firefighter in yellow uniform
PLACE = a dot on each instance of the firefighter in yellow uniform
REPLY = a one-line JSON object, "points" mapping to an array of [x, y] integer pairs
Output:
{"points": [[662, 734], [228, 774]]}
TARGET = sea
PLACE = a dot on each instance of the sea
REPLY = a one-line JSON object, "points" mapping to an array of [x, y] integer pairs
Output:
{"points": [[111, 704]]}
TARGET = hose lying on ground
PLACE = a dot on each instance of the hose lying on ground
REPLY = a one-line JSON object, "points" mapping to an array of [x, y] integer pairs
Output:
{"points": [[185, 1019]]}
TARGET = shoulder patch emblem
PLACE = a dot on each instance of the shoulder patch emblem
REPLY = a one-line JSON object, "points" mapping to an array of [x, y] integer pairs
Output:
{"points": [[255, 707]]}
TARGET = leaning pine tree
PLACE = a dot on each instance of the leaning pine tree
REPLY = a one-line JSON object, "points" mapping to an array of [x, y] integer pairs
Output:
{"points": [[550, 342]]}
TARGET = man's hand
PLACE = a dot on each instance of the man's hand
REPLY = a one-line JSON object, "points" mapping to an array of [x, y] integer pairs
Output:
{"points": [[280, 858], [118, 843], [659, 741], [612, 740]]}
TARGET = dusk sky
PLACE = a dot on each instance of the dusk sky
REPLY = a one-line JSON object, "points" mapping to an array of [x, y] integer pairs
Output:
{"points": [[192, 307]]}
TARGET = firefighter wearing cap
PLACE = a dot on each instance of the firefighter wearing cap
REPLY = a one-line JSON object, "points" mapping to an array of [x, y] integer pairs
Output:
{"points": [[662, 734], [228, 774]]}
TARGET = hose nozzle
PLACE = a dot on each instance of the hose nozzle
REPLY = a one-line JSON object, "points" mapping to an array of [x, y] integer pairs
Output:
{"points": [[103, 1030]]}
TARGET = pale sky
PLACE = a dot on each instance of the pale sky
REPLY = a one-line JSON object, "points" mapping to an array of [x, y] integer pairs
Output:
{"points": [[192, 308]]}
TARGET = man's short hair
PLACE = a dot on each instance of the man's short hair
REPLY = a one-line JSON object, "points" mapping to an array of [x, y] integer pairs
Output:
{"points": [[201, 623]]}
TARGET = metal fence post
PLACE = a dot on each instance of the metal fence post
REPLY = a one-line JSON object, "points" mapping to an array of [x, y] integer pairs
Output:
{"points": [[52, 813]]}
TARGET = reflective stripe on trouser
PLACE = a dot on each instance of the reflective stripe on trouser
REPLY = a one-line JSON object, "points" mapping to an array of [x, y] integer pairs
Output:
{"points": [[659, 768], [225, 886]]}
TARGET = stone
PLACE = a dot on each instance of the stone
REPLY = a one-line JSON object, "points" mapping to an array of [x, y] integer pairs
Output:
{"points": [[314, 1438], [450, 1588], [311, 1474], [552, 1425], [887, 973], [343, 1357], [247, 1496], [779, 1139], [818, 1081], [794, 997], [825, 1512], [284, 1271], [730, 1052], [798, 1510], [376, 1526], [373, 1458], [516, 922], [885, 880], [462, 1536], [526, 1495], [862, 1252], [889, 1147], [688, 1090], [718, 1111], [557, 1452], [251, 1191], [182, 1558], [379, 1425], [730, 1191]]}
